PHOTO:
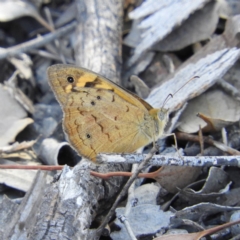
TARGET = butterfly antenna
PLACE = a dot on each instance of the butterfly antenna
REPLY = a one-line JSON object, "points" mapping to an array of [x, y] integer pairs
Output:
{"points": [[171, 95], [186, 84], [167, 98]]}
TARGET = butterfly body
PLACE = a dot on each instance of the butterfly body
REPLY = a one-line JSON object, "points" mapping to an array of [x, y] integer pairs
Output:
{"points": [[100, 116]]}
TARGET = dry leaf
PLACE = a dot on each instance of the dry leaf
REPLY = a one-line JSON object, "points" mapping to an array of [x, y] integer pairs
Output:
{"points": [[141, 88], [17, 93], [13, 9], [11, 132], [24, 64], [217, 180], [174, 177], [17, 146], [198, 27], [211, 191], [13, 118], [213, 124], [214, 104], [198, 235], [18, 178], [15, 178], [199, 211], [153, 12]]}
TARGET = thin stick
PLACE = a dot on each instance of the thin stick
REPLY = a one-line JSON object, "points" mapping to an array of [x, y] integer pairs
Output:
{"points": [[164, 160], [36, 167], [108, 175], [157, 160], [220, 145], [37, 42], [201, 142], [127, 225]]}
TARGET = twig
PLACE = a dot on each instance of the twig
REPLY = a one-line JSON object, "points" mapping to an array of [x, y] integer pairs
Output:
{"points": [[38, 167], [131, 192], [124, 191], [230, 89], [56, 41], [201, 141], [156, 160], [221, 146], [37, 42], [162, 160], [108, 175], [49, 55], [124, 220]]}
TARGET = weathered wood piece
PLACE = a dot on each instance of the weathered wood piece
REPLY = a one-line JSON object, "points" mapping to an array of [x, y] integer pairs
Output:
{"points": [[158, 20], [7, 210], [20, 223], [100, 23]]}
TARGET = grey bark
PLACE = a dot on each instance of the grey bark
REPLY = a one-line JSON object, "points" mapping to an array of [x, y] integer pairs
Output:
{"points": [[100, 24]]}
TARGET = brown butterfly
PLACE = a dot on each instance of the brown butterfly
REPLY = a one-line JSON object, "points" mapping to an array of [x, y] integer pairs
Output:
{"points": [[100, 116]]}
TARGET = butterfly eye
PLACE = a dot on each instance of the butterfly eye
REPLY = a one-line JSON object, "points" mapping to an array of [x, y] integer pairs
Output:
{"points": [[93, 103], [161, 115], [70, 79], [88, 135], [98, 97]]}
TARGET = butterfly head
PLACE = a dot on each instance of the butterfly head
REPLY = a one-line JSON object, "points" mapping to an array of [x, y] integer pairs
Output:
{"points": [[160, 118], [163, 115]]}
